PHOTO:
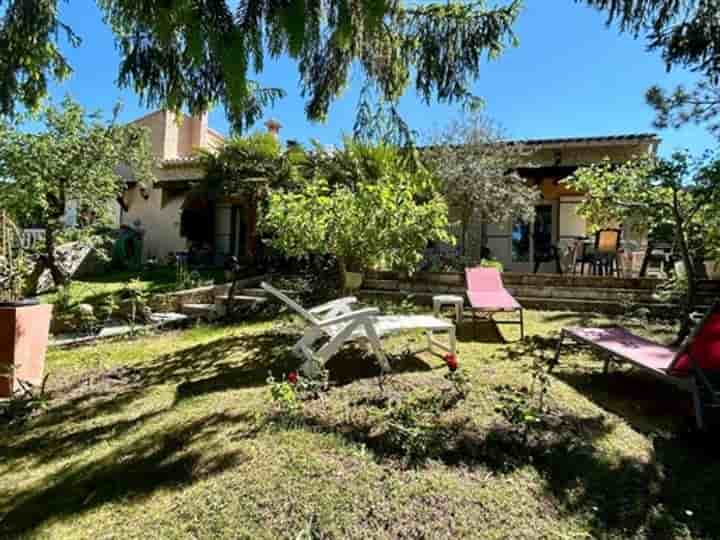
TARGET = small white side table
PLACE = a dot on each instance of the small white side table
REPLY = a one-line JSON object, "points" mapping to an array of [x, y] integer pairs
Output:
{"points": [[449, 300]]}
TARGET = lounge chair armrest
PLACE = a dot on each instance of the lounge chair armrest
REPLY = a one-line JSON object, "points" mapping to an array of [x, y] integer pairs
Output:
{"points": [[359, 314], [333, 304]]}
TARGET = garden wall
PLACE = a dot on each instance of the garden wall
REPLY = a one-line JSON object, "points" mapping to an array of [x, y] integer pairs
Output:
{"points": [[174, 301], [538, 291]]}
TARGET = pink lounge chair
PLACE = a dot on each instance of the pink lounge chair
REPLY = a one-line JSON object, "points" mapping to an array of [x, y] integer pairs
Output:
{"points": [[488, 296], [685, 367]]}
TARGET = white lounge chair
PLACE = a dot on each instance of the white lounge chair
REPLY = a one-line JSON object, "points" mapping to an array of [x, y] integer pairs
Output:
{"points": [[338, 322]]}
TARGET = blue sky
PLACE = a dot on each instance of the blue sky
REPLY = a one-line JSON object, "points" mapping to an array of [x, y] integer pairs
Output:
{"points": [[570, 76]]}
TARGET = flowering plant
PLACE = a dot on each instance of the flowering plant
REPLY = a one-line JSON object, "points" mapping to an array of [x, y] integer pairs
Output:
{"points": [[456, 376], [451, 361]]}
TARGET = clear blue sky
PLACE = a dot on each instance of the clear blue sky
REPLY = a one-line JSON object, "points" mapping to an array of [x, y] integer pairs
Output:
{"points": [[570, 76]]}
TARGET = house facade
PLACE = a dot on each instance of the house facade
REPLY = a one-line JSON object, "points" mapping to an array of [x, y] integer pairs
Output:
{"points": [[157, 209], [174, 217], [556, 219]]}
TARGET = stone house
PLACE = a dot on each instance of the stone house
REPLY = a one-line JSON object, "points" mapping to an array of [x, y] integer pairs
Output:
{"points": [[157, 209]]}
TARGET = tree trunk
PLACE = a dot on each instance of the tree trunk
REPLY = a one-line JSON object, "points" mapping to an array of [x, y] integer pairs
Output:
{"points": [[689, 302], [251, 234], [464, 226], [342, 267], [58, 276], [32, 282]]}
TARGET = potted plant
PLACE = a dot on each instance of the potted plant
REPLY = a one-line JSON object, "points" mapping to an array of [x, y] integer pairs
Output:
{"points": [[24, 322]]}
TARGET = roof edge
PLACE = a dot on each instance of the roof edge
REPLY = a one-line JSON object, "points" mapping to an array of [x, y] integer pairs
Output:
{"points": [[605, 139]]}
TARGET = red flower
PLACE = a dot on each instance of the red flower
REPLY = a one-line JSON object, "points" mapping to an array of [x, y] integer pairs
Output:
{"points": [[292, 377], [451, 361]]}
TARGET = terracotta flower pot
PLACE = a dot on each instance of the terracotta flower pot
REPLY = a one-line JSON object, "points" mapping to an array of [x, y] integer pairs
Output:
{"points": [[24, 330]]}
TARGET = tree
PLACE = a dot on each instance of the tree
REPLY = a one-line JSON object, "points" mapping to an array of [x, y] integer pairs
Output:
{"points": [[477, 170], [676, 191], [384, 219], [687, 33], [75, 158], [191, 54]]}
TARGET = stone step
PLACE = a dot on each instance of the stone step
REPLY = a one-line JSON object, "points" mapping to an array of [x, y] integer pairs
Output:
{"points": [[582, 293], [600, 306], [257, 291], [200, 311], [241, 298], [535, 302]]}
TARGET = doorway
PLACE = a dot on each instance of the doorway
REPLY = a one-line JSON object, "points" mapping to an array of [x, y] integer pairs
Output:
{"points": [[527, 239]]}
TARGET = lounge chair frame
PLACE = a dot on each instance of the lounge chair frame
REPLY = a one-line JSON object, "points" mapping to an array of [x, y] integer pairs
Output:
{"points": [[488, 312], [340, 324], [696, 381]]}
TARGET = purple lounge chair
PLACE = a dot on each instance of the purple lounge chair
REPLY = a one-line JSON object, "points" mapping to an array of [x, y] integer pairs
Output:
{"points": [[686, 367], [488, 296]]}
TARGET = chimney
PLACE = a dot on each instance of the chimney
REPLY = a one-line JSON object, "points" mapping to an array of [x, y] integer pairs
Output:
{"points": [[199, 130], [273, 127], [170, 134]]}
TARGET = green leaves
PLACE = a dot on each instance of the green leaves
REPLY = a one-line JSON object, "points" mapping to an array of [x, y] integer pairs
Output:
{"points": [[248, 164], [191, 55], [30, 38], [477, 171], [76, 157], [375, 214]]}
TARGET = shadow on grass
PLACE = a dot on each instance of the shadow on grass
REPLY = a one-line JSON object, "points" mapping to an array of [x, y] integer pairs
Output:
{"points": [[229, 363], [169, 458], [649, 405], [664, 498], [172, 456], [587, 318], [479, 331], [617, 497]]}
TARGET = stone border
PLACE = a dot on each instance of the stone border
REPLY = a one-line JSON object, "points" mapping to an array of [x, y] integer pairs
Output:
{"points": [[545, 291]]}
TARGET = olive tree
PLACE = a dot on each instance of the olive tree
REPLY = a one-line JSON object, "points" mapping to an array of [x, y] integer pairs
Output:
{"points": [[75, 157], [381, 218], [677, 191], [477, 170]]}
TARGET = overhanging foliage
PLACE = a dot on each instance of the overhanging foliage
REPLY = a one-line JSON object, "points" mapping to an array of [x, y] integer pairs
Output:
{"points": [[191, 54]]}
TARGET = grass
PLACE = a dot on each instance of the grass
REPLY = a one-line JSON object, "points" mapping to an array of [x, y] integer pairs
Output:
{"points": [[175, 436], [158, 280]]}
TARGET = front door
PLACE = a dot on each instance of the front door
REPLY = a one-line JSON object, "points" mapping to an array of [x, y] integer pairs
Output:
{"points": [[238, 231], [528, 239]]}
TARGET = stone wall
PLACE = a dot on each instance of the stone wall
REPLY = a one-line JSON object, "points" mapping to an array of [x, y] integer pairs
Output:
{"points": [[541, 291]]}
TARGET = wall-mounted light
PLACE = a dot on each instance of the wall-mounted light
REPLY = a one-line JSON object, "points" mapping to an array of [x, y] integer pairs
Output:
{"points": [[144, 192]]}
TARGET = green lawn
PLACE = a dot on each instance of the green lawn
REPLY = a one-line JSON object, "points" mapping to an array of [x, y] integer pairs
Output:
{"points": [[175, 436], [154, 281]]}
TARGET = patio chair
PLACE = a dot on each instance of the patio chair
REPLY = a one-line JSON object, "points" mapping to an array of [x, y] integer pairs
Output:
{"points": [[687, 367], [340, 324], [581, 256], [488, 296], [607, 247]]}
